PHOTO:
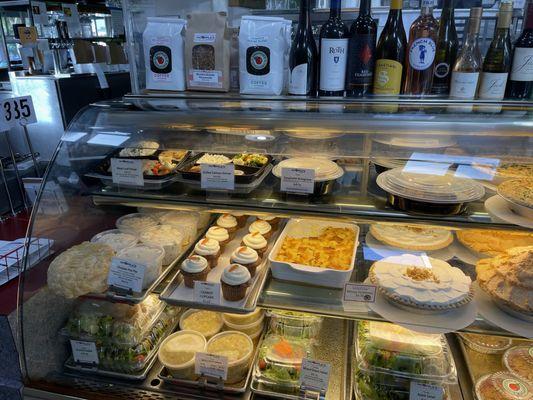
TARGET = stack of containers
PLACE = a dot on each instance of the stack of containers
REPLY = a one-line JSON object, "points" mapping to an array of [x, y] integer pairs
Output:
{"points": [[126, 336], [251, 324], [389, 359]]}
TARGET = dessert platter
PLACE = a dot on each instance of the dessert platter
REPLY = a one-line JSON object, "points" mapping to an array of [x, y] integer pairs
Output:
{"points": [[513, 203]]}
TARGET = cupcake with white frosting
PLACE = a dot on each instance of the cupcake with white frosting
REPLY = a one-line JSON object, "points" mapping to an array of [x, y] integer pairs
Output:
{"points": [[219, 234], [228, 222], [235, 280], [263, 227], [166, 236], [241, 218], [209, 249], [246, 257], [255, 241], [273, 221], [194, 268]]}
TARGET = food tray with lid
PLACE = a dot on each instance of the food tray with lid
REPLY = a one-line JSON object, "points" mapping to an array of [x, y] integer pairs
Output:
{"points": [[177, 293], [295, 324], [427, 193], [519, 361], [306, 274], [132, 363]]}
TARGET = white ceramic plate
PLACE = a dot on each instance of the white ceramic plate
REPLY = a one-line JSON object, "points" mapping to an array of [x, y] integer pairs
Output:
{"points": [[499, 209]]}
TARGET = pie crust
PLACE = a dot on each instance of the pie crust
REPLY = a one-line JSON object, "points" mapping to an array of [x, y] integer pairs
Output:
{"points": [[519, 191], [412, 237], [493, 242]]}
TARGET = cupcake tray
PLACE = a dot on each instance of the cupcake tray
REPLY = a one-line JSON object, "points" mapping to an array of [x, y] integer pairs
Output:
{"points": [[176, 293]]}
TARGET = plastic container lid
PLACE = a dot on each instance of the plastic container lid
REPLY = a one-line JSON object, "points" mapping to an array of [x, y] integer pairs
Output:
{"points": [[244, 319], [250, 329], [325, 170], [135, 223], [116, 239], [430, 188], [208, 323], [519, 360], [178, 350], [285, 350], [236, 346], [485, 343], [502, 386], [150, 256], [295, 324]]}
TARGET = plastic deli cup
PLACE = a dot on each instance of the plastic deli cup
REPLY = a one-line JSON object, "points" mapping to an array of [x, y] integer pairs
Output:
{"points": [[177, 353], [208, 323], [249, 329], [238, 348]]}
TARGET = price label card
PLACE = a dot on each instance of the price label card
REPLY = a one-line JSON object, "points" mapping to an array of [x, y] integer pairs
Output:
{"points": [[126, 274], [84, 352], [27, 34], [17, 110], [218, 176], [127, 172], [211, 365], [206, 292], [423, 391], [314, 375], [298, 180], [358, 292]]}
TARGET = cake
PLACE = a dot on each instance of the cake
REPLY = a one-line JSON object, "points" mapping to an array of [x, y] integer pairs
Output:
{"points": [[194, 268], [508, 280], [421, 284], [263, 227], [519, 191], [209, 249], [166, 236], [219, 234], [502, 386], [412, 237], [493, 242], [255, 241], [519, 361], [246, 257], [235, 280]]}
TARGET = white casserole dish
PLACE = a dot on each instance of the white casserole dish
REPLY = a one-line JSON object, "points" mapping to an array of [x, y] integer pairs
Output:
{"points": [[305, 273]]}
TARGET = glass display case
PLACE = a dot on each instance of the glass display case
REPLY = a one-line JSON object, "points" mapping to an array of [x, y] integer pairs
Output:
{"points": [[357, 213]]}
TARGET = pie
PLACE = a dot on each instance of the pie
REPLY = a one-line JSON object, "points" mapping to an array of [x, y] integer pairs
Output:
{"points": [[493, 242], [508, 280], [519, 191], [420, 283], [412, 237]]}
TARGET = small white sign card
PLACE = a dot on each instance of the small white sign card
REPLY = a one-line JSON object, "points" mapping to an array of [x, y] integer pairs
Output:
{"points": [[217, 176], [17, 110], [424, 391], [84, 352], [126, 274], [127, 172], [206, 292], [211, 365], [314, 375], [298, 180], [359, 292]]}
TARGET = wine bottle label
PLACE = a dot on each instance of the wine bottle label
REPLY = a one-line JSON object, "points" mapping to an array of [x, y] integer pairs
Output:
{"points": [[442, 70], [464, 85], [522, 69], [298, 80], [492, 85], [422, 53], [333, 56], [361, 60], [388, 77]]}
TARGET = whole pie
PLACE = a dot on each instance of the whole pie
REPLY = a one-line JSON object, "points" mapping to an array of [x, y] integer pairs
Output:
{"points": [[519, 191], [493, 242], [508, 279], [421, 284], [412, 237]]}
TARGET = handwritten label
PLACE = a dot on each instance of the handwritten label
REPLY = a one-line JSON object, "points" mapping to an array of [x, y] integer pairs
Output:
{"points": [[217, 176], [314, 375], [358, 292], [126, 274], [127, 172], [298, 180], [206, 292], [211, 365], [84, 352], [17, 110], [423, 391]]}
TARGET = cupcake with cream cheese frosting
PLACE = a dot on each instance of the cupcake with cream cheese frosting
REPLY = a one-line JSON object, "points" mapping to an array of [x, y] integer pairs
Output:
{"points": [[234, 281], [194, 268], [263, 227], [228, 222], [273, 221], [219, 234], [209, 249], [241, 218], [247, 257], [255, 241]]}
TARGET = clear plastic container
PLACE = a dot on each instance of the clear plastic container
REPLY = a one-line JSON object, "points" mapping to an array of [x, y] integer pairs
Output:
{"points": [[185, 222], [135, 223], [238, 348], [208, 323], [485, 343], [166, 236], [249, 329], [244, 319], [116, 239], [117, 324], [519, 361], [177, 353], [295, 324], [150, 256], [502, 386]]}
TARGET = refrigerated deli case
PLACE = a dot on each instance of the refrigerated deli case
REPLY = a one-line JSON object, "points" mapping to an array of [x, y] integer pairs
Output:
{"points": [[389, 239]]}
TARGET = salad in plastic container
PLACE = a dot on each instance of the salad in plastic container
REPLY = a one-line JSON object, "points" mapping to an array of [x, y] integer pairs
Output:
{"points": [[295, 324], [121, 325], [485, 343], [519, 361]]}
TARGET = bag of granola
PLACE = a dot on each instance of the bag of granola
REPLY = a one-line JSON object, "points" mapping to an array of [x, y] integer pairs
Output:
{"points": [[207, 52]]}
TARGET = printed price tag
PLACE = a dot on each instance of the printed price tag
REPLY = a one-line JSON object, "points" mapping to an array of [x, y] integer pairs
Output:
{"points": [[298, 180], [423, 391], [84, 352], [126, 274], [127, 172], [314, 375], [358, 292], [17, 110], [218, 176], [211, 365], [206, 292]]}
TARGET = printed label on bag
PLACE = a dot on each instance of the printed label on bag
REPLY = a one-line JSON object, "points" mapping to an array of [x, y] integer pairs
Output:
{"points": [[314, 375], [126, 274], [84, 352], [206, 292], [360, 293], [423, 391], [298, 180], [127, 172], [217, 176], [205, 37], [211, 365], [200, 77]]}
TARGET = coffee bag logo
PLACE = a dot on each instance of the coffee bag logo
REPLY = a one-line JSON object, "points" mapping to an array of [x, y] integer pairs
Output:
{"points": [[161, 59], [258, 60], [422, 53]]}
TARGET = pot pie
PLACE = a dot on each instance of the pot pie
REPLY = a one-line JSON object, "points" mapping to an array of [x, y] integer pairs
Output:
{"points": [[412, 237], [508, 280], [493, 242], [421, 284], [519, 191]]}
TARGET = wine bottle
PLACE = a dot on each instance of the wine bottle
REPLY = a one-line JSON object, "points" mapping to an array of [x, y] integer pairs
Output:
{"points": [[520, 85], [390, 53], [447, 44], [303, 55], [497, 61], [333, 53], [361, 53], [465, 74]]}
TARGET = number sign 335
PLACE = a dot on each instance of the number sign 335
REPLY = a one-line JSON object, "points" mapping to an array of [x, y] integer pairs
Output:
{"points": [[18, 110]]}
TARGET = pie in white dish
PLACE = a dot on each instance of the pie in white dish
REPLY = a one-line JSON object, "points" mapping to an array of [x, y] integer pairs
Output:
{"points": [[412, 237]]}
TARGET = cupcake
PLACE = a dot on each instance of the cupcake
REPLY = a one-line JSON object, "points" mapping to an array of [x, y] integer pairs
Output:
{"points": [[219, 234], [194, 268], [262, 227], [235, 280], [255, 241], [241, 218], [273, 221], [228, 222], [209, 249], [247, 257]]}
